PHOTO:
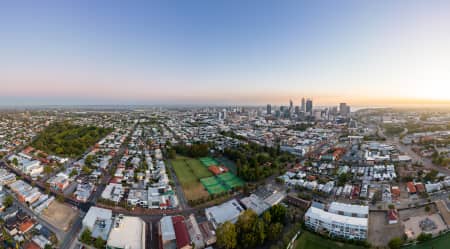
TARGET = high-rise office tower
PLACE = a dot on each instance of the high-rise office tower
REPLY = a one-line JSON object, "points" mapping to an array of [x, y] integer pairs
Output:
{"points": [[303, 107], [344, 109], [269, 109], [309, 106], [291, 105]]}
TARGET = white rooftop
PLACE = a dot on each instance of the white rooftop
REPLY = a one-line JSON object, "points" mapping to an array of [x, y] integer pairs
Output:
{"points": [[228, 211], [167, 229], [128, 233], [94, 214], [323, 215], [336, 207]]}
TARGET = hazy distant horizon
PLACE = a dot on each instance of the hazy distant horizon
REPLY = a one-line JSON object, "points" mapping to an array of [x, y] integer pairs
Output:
{"points": [[380, 53]]}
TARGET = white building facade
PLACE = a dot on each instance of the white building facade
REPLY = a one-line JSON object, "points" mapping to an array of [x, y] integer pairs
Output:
{"points": [[337, 225]]}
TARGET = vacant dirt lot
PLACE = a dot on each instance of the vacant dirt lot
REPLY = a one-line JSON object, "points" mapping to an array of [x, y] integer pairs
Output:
{"points": [[60, 215], [412, 227], [380, 232]]}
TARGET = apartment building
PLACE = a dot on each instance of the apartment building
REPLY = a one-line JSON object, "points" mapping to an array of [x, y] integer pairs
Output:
{"points": [[339, 224]]}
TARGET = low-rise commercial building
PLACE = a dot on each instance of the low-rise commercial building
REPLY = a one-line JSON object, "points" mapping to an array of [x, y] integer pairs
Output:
{"points": [[228, 211]]}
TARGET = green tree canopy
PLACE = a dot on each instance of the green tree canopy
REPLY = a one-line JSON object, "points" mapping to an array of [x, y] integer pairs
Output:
{"points": [[227, 236]]}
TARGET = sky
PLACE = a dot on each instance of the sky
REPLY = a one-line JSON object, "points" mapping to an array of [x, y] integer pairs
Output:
{"points": [[224, 52]]}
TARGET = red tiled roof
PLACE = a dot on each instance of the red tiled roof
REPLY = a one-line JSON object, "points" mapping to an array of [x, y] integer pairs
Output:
{"points": [[31, 245], [27, 225], [216, 170], [420, 187], [181, 232], [411, 187], [116, 179]]}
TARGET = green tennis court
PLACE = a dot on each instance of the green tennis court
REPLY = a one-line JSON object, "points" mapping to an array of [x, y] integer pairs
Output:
{"points": [[230, 180], [209, 181], [208, 161], [213, 185], [215, 189]]}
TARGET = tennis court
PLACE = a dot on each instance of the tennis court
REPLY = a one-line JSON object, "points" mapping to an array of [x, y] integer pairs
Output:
{"points": [[213, 185], [208, 161], [230, 180], [209, 181]]}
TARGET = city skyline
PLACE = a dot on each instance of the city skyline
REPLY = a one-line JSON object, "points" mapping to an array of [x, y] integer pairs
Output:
{"points": [[380, 53]]}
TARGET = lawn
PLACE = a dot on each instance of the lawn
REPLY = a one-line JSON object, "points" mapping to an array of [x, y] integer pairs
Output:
{"points": [[198, 169], [308, 240], [187, 174], [442, 242]]}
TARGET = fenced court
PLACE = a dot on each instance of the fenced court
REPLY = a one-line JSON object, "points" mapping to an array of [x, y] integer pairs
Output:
{"points": [[230, 180], [213, 185], [208, 161]]}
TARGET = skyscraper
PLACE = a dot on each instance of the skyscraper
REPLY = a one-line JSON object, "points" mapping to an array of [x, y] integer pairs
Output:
{"points": [[291, 105], [344, 109], [309, 106], [303, 107], [269, 109]]}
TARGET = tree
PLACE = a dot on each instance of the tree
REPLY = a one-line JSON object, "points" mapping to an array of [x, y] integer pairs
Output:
{"points": [[8, 201], [238, 166], [172, 154], [73, 173], [274, 231], [250, 229], [424, 237], [427, 208], [343, 179], [48, 246], [86, 170], [89, 160], [15, 161], [99, 243], [395, 243], [260, 231], [48, 169], [267, 218], [86, 236], [278, 213], [227, 236], [431, 176]]}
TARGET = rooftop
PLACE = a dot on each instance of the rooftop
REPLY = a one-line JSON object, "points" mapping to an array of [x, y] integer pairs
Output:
{"points": [[127, 232]]}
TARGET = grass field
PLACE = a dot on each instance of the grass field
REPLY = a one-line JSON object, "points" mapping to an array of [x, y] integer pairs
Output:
{"points": [[199, 170], [308, 240], [442, 242], [188, 173]]}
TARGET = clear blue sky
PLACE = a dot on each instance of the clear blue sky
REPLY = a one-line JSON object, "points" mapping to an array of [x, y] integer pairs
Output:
{"points": [[250, 52]]}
